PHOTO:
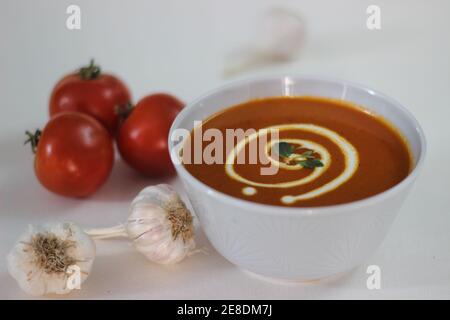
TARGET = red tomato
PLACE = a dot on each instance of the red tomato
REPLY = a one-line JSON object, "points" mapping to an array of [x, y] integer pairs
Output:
{"points": [[74, 155], [91, 92], [142, 138]]}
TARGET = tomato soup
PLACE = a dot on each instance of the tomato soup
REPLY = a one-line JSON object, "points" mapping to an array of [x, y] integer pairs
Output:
{"points": [[326, 152]]}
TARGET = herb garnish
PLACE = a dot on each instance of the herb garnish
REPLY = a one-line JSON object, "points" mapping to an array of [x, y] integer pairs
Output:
{"points": [[285, 149], [306, 159]]}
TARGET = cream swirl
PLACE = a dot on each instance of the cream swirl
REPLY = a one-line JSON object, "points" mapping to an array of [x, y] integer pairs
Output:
{"points": [[348, 150]]}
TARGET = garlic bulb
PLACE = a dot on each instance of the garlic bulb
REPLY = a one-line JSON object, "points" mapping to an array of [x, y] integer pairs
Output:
{"points": [[51, 258], [279, 38], [159, 224], [57, 257]]}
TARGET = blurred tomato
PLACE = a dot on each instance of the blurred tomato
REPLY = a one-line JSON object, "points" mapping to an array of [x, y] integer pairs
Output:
{"points": [[142, 138]]}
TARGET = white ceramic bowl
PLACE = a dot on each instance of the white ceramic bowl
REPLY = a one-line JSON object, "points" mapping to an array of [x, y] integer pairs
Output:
{"points": [[297, 243]]}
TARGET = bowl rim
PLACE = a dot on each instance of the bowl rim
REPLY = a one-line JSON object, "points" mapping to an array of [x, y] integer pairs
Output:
{"points": [[305, 211]]}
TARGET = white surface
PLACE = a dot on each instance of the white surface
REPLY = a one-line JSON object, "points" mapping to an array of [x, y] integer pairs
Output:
{"points": [[180, 46]]}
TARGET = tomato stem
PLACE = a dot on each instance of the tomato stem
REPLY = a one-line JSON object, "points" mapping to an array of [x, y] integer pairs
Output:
{"points": [[90, 72], [33, 139], [123, 111]]}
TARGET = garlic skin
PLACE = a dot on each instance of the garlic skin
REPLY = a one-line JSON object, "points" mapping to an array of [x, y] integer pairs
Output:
{"points": [[281, 34], [160, 225], [40, 258], [279, 37]]}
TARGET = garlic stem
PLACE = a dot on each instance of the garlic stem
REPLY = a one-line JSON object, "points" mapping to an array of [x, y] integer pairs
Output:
{"points": [[247, 60], [280, 36], [118, 231]]}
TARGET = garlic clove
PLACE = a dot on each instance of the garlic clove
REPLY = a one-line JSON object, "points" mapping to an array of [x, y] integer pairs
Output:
{"points": [[168, 252]]}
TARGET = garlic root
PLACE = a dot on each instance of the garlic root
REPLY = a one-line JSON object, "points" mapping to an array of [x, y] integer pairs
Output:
{"points": [[43, 256]]}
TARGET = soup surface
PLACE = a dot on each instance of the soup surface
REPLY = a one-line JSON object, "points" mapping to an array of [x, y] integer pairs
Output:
{"points": [[320, 151]]}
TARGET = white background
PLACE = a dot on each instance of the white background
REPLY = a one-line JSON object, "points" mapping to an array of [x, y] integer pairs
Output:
{"points": [[181, 46]]}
